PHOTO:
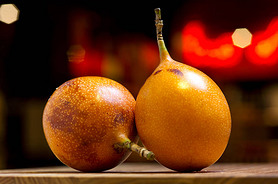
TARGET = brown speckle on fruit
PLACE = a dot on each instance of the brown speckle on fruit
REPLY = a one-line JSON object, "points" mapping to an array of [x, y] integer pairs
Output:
{"points": [[119, 118], [157, 72], [175, 71]]}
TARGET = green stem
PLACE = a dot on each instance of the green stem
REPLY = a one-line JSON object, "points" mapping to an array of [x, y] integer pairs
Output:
{"points": [[128, 145], [164, 55]]}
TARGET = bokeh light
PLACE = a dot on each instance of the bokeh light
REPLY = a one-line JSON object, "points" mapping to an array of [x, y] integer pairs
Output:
{"points": [[8, 13], [242, 37]]}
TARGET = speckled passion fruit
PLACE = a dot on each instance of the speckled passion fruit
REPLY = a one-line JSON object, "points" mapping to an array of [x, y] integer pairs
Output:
{"points": [[181, 114], [89, 124]]}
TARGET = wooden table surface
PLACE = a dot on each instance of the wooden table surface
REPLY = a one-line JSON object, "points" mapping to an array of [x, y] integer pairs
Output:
{"points": [[129, 173]]}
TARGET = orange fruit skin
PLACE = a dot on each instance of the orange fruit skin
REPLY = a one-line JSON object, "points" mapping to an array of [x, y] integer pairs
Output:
{"points": [[183, 117], [84, 118]]}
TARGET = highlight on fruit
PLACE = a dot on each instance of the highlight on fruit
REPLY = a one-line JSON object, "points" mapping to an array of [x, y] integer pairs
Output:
{"points": [[89, 124], [181, 114]]}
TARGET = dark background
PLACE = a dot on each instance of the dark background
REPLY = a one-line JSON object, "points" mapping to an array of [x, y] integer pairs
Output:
{"points": [[34, 61]]}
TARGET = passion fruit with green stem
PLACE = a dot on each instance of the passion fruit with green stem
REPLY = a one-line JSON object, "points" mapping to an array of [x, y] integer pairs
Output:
{"points": [[181, 114], [89, 124]]}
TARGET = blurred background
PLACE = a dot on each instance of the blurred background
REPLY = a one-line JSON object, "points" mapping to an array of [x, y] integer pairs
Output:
{"points": [[44, 44]]}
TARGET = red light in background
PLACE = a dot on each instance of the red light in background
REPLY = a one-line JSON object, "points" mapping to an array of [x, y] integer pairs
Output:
{"points": [[149, 55], [232, 58], [87, 64], [199, 50], [264, 47], [84, 57]]}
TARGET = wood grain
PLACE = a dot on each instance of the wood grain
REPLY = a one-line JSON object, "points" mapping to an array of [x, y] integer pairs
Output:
{"points": [[136, 173]]}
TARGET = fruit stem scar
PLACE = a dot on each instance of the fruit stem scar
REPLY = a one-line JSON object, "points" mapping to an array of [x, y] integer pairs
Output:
{"points": [[128, 145], [164, 55]]}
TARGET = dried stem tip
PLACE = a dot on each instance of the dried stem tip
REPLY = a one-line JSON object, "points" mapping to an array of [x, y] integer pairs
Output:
{"points": [[157, 13], [158, 23]]}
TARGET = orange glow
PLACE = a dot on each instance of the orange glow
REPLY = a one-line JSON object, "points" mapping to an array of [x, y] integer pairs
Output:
{"points": [[112, 67], [264, 49], [199, 50], [76, 53]]}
